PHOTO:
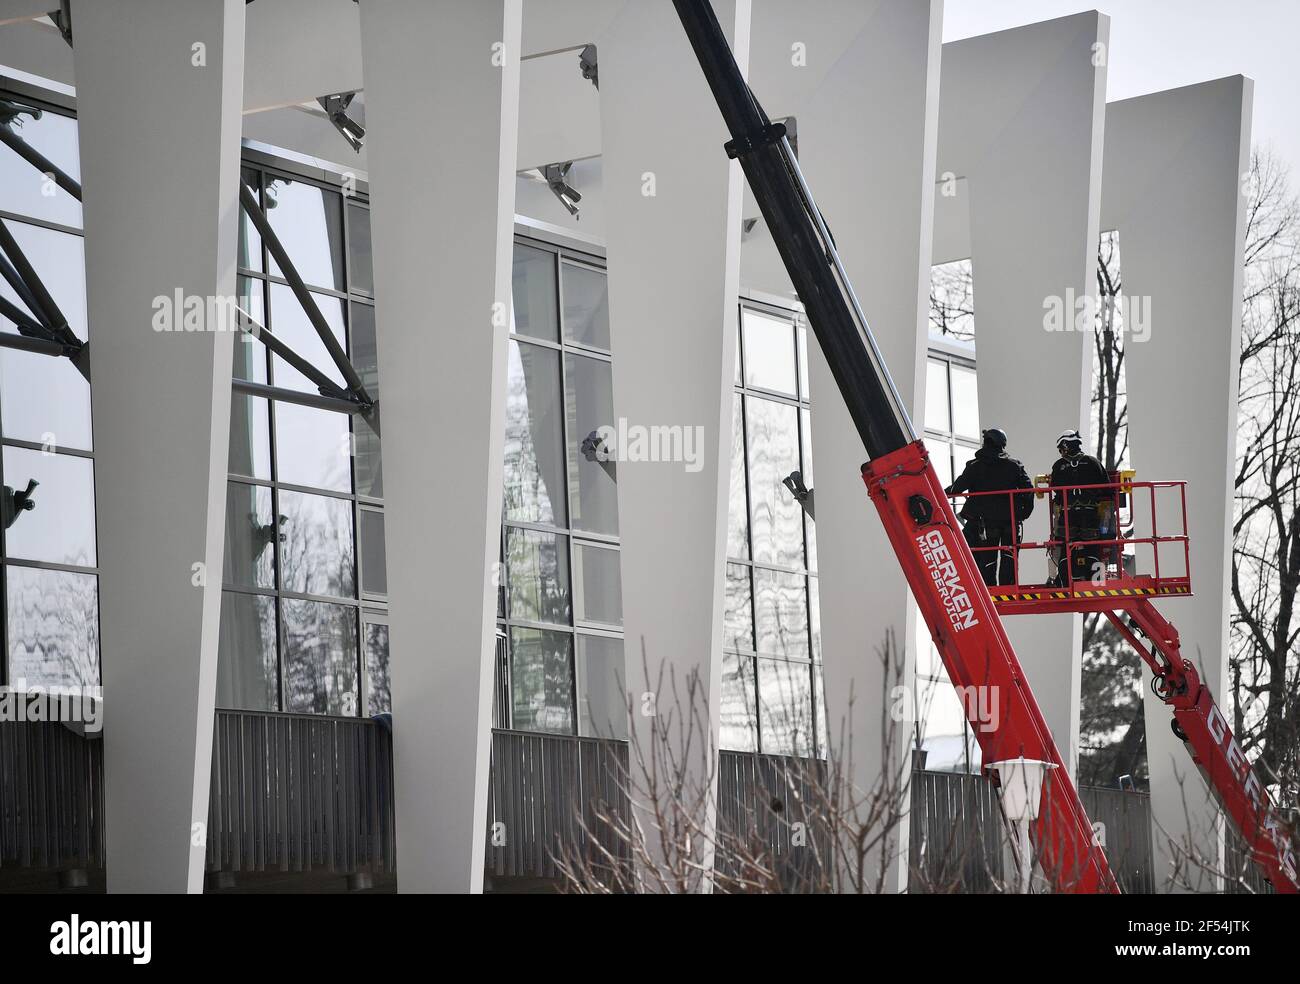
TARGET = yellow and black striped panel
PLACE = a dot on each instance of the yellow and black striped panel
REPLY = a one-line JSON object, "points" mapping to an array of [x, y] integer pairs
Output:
{"points": [[1092, 593]]}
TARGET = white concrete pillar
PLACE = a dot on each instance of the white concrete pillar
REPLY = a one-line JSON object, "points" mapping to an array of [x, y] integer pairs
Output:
{"points": [[867, 139], [1020, 118], [1164, 151], [442, 102], [672, 202], [159, 93]]}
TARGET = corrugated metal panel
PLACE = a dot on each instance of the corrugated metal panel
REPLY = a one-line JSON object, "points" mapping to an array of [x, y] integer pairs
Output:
{"points": [[1126, 817], [955, 834]]}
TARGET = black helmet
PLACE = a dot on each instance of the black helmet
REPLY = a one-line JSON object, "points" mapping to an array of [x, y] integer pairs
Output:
{"points": [[1069, 442], [995, 438]]}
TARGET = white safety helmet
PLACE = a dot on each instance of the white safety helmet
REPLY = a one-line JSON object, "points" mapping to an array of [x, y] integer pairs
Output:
{"points": [[1070, 442]]}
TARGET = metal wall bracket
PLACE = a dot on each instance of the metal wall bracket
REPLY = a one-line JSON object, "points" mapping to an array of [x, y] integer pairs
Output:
{"points": [[557, 179]]}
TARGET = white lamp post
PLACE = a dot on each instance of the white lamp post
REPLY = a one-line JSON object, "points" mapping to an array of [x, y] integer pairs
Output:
{"points": [[1021, 781]]}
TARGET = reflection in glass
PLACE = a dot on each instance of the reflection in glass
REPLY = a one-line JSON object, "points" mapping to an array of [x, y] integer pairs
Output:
{"points": [[44, 400], [365, 356], [597, 584], [379, 691], [769, 352], [250, 536], [536, 298], [247, 675], [602, 695], [53, 622], [290, 324], [308, 221], [311, 447], [776, 518], [317, 555], [250, 353], [534, 447], [360, 266], [593, 492], [815, 618], [965, 402], [785, 707], [586, 306], [541, 681], [59, 260], [738, 505], [738, 619], [538, 565], [250, 436], [320, 658], [250, 240], [25, 190], [809, 480], [780, 613], [737, 724], [374, 564], [61, 527], [936, 395]]}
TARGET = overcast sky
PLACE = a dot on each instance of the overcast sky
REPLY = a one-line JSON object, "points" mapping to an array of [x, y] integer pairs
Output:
{"points": [[1161, 44]]}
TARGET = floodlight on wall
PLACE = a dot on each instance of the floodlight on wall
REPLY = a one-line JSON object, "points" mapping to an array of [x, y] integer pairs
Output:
{"points": [[18, 501], [335, 107], [587, 62], [747, 227], [802, 494], [62, 19], [557, 179]]}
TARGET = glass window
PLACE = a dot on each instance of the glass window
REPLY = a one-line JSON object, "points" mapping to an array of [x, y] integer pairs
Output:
{"points": [[247, 675], [360, 265], [737, 722], [250, 240], [738, 503], [539, 576], [59, 260], [53, 627], [534, 447], [586, 306], [597, 584], [593, 492], [250, 536], [965, 403], [250, 436], [769, 353], [60, 529], [44, 400], [738, 621], [801, 333], [602, 695], [541, 676], [320, 657], [250, 354], [780, 613], [374, 565], [809, 481], [312, 447], [290, 324], [379, 690], [785, 707], [941, 458], [536, 298], [308, 221], [26, 190], [316, 550], [776, 518], [365, 357], [936, 395]]}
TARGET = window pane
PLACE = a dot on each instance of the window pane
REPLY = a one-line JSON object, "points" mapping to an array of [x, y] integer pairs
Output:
{"points": [[53, 627], [738, 504], [965, 402], [311, 447], [247, 675], [250, 436], [44, 400], [534, 448], [250, 353], [819, 708], [250, 240], [317, 555], [320, 658], [309, 223], [598, 594], [737, 724], [815, 618], [593, 492], [936, 395], [538, 565], [290, 324], [24, 189], [379, 693], [785, 707], [59, 260], [769, 353], [941, 458], [536, 299], [541, 677], [602, 694], [780, 613], [776, 518], [586, 306], [801, 335], [361, 267], [250, 536], [61, 527], [374, 563], [806, 456], [365, 356], [738, 619]]}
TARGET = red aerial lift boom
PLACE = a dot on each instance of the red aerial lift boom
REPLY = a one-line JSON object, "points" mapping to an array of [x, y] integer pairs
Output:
{"points": [[960, 611]]}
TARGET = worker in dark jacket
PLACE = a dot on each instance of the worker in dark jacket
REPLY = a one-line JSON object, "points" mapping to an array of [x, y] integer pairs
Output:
{"points": [[1074, 467], [989, 520]]}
